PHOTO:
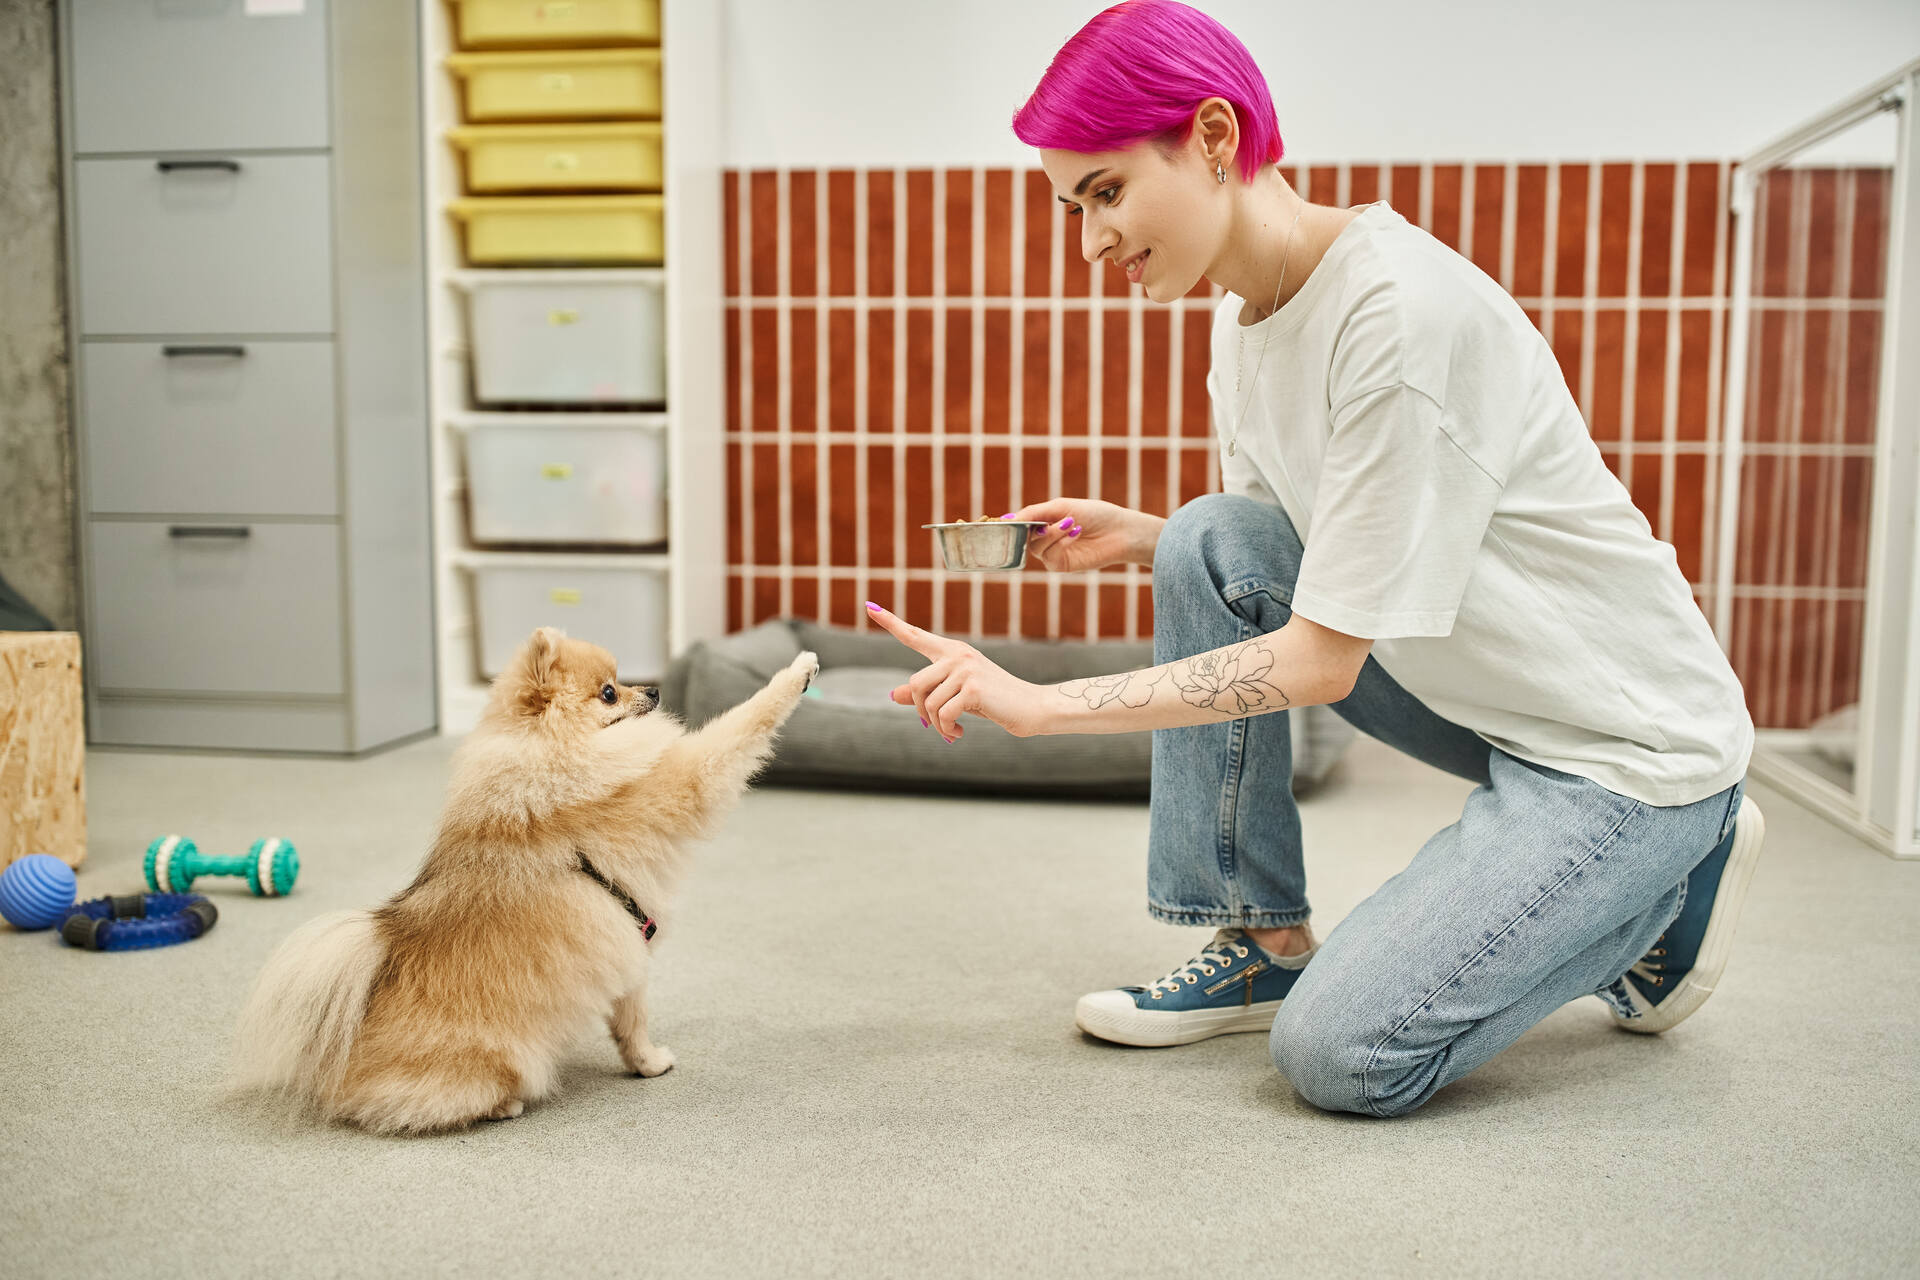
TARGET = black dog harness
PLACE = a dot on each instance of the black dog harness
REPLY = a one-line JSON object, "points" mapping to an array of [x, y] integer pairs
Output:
{"points": [[625, 899]]}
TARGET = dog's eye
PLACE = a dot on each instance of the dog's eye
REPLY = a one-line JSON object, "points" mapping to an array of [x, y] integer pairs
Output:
{"points": [[609, 694]]}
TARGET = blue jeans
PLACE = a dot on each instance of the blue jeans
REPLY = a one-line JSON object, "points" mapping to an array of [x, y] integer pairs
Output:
{"points": [[1547, 888]]}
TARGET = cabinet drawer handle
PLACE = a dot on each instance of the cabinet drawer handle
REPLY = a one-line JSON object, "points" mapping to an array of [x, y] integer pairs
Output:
{"points": [[226, 350], [169, 166], [209, 531]]}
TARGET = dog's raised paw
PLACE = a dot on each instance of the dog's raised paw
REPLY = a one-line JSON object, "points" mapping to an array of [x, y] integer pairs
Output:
{"points": [[808, 665], [656, 1061]]}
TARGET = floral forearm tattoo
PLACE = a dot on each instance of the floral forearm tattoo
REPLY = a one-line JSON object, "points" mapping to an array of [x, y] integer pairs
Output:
{"points": [[1130, 688], [1231, 681]]}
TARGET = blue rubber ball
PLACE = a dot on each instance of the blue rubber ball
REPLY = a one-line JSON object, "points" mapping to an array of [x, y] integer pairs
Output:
{"points": [[36, 892]]}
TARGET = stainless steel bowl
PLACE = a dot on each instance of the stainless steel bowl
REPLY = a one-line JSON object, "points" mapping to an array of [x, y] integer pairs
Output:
{"points": [[985, 545]]}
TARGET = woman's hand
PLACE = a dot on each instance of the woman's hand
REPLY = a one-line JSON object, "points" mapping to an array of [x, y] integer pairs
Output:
{"points": [[1085, 533], [960, 680]]}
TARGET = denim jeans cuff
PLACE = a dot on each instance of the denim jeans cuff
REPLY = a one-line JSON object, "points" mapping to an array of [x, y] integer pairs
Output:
{"points": [[1615, 994], [1221, 918]]}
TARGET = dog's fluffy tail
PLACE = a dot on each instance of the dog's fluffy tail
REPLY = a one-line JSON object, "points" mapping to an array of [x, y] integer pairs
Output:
{"points": [[306, 1008]]}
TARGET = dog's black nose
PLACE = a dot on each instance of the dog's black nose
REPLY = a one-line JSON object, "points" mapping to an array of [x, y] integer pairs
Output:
{"points": [[651, 693]]}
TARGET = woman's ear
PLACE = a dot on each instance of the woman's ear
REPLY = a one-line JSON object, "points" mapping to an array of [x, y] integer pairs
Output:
{"points": [[536, 670], [1216, 131]]}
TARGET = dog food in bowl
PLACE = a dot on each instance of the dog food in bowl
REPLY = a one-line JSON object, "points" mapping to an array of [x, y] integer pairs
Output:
{"points": [[986, 544]]}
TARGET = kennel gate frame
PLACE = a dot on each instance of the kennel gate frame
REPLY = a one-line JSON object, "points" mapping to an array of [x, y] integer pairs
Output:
{"points": [[1883, 808]]}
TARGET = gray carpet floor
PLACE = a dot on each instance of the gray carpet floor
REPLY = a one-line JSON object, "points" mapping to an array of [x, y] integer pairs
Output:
{"points": [[871, 1001]]}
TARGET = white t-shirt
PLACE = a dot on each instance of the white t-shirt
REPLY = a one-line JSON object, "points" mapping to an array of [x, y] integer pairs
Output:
{"points": [[1418, 431]]}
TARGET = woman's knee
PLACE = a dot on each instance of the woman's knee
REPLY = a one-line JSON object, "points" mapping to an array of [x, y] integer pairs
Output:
{"points": [[1218, 533], [1315, 1061], [1339, 1068], [1182, 538]]}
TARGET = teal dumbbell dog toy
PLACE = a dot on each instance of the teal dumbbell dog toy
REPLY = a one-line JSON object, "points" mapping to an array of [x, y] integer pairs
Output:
{"points": [[270, 866]]}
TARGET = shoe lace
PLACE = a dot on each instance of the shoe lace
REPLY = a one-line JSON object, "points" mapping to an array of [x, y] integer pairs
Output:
{"points": [[1653, 965], [1215, 955]]}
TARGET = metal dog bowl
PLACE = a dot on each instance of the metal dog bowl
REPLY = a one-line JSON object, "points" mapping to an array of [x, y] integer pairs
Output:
{"points": [[984, 545]]}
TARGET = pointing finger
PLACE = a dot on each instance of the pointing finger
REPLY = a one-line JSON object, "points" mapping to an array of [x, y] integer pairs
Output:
{"points": [[924, 643]]}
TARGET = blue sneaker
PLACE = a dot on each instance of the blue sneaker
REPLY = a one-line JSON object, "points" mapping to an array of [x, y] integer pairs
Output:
{"points": [[1232, 985], [1684, 966]]}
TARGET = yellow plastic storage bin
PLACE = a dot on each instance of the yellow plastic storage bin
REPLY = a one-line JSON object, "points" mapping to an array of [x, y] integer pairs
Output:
{"points": [[571, 84], [563, 230], [560, 157], [525, 24]]}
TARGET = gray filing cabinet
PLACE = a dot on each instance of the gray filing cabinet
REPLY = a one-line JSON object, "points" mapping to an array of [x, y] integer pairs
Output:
{"points": [[246, 287]]}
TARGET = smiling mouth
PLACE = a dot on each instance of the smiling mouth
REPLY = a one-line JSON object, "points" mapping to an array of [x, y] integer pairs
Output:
{"points": [[1137, 266]]}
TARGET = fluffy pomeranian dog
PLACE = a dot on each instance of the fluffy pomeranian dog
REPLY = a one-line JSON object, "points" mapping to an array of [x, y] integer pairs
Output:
{"points": [[567, 820]]}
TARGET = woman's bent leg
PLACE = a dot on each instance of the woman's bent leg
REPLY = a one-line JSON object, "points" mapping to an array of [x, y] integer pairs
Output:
{"points": [[1225, 847], [1547, 889]]}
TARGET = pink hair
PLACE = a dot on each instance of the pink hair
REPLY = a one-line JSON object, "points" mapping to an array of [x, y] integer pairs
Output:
{"points": [[1137, 71]]}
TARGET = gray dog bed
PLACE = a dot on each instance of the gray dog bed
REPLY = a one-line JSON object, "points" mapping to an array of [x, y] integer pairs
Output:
{"points": [[847, 732]]}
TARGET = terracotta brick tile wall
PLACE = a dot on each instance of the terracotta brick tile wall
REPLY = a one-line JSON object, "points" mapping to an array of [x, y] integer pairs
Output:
{"points": [[1820, 265], [907, 346]]}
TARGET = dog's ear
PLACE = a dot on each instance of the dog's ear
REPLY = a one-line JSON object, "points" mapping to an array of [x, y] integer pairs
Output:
{"points": [[538, 670]]}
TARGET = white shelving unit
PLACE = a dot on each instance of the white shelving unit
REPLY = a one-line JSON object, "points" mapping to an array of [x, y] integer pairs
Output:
{"points": [[694, 420]]}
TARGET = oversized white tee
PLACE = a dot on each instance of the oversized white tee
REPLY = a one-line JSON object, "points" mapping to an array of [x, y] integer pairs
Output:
{"points": [[1418, 431]]}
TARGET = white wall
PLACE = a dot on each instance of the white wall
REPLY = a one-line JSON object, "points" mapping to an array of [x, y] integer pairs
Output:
{"points": [[929, 83]]}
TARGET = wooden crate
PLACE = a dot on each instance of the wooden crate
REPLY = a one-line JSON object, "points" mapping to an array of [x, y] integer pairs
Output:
{"points": [[43, 781]]}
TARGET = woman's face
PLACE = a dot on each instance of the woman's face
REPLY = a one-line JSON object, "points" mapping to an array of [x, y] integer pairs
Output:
{"points": [[1154, 217]]}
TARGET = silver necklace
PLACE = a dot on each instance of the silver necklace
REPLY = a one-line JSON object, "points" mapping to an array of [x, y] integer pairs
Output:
{"points": [[1240, 361]]}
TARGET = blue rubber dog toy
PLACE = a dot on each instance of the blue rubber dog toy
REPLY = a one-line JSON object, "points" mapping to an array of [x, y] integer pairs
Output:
{"points": [[36, 892], [137, 921]]}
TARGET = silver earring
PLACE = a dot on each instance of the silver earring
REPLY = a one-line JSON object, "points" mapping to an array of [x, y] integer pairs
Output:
{"points": [[1220, 172]]}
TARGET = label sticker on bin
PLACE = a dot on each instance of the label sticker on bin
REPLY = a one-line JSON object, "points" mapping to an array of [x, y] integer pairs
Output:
{"points": [[563, 315], [564, 595], [556, 470]]}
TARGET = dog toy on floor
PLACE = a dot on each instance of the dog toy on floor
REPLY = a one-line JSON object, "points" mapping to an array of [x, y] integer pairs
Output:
{"points": [[36, 891], [136, 921], [270, 866]]}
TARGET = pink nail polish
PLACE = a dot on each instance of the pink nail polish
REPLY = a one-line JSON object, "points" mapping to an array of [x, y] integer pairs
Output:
{"points": [[925, 723], [872, 605], [1065, 523]]}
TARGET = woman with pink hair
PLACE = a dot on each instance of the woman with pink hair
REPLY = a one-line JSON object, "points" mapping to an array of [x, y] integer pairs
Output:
{"points": [[1416, 529]]}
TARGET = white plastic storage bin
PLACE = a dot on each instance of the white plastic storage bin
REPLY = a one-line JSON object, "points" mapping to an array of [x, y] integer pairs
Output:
{"points": [[550, 480], [551, 339], [621, 609]]}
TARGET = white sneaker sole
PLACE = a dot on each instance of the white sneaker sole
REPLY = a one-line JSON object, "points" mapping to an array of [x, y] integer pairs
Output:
{"points": [[1100, 1014], [1749, 832]]}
